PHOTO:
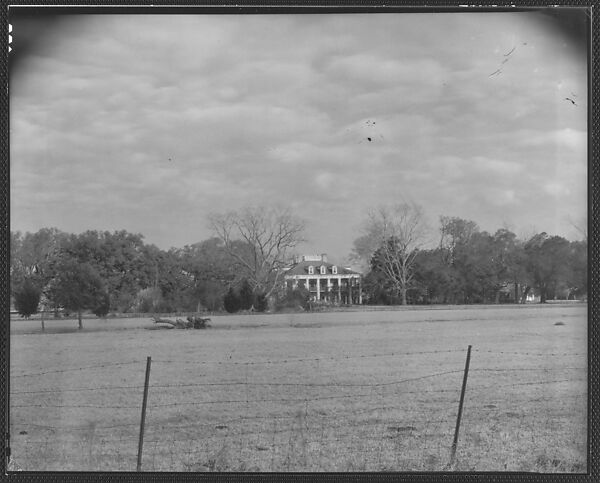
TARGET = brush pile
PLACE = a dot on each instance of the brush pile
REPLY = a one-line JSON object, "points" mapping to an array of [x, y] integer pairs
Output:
{"points": [[192, 322]]}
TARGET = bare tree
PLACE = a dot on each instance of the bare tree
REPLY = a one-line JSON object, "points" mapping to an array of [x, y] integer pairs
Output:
{"points": [[392, 236], [454, 232], [268, 234]]}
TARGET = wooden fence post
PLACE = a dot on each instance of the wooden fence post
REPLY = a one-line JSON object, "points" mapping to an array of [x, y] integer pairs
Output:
{"points": [[460, 406], [143, 420]]}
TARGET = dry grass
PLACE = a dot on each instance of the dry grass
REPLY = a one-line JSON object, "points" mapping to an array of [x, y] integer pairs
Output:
{"points": [[349, 391]]}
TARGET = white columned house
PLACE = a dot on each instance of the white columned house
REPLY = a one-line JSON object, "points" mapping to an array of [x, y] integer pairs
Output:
{"points": [[323, 280]]}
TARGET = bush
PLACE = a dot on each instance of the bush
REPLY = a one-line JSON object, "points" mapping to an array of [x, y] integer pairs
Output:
{"points": [[231, 301], [246, 296], [101, 310], [244, 299], [294, 299], [198, 322], [27, 299]]}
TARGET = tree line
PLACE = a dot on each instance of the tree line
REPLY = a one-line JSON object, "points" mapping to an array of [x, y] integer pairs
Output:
{"points": [[467, 265], [241, 267]]}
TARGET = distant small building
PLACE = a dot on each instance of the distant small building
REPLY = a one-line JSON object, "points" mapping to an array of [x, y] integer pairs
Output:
{"points": [[516, 293], [323, 280]]}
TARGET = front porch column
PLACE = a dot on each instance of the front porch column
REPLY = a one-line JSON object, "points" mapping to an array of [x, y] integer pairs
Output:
{"points": [[349, 291], [318, 289], [359, 292], [339, 279]]}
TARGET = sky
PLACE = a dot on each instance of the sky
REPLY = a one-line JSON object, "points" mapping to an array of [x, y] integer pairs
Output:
{"points": [[148, 123]]}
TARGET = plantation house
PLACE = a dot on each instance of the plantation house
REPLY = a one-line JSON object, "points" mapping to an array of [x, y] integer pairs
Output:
{"points": [[323, 280]]}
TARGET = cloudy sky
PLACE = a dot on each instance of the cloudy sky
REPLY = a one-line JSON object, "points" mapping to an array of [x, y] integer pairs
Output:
{"points": [[150, 122]]}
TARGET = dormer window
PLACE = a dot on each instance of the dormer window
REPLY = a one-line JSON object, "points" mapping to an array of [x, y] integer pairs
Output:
{"points": [[323, 269], [334, 270], [311, 270]]}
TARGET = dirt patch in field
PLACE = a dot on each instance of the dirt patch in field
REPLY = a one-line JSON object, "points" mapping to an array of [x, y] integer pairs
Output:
{"points": [[401, 429]]}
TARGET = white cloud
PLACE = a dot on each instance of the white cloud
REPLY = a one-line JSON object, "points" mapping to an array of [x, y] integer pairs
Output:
{"points": [[496, 167], [250, 109], [569, 138]]}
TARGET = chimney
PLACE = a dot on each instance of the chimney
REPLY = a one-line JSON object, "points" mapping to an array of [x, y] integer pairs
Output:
{"points": [[324, 257]]}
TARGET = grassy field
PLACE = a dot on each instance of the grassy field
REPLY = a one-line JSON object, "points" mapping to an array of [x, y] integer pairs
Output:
{"points": [[345, 391]]}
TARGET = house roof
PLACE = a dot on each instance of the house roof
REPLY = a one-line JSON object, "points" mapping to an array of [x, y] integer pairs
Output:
{"points": [[301, 268]]}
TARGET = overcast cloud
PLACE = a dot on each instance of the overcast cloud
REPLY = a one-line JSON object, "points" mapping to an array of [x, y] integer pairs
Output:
{"points": [[147, 123]]}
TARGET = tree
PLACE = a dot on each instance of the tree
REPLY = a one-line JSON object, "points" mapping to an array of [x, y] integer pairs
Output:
{"points": [[163, 272], [149, 300], [33, 253], [32, 260], [211, 296], [392, 238], [76, 287], [509, 261], [27, 298], [547, 263], [261, 303], [436, 281], [578, 275], [32, 257], [376, 290], [363, 248], [473, 268], [479, 273], [268, 235], [123, 261], [206, 271], [455, 232]]}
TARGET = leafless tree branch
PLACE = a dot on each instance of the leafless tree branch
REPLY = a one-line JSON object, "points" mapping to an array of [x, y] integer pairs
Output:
{"points": [[394, 233], [269, 233]]}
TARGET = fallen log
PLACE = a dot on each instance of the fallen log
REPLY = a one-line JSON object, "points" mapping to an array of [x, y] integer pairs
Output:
{"points": [[193, 322]]}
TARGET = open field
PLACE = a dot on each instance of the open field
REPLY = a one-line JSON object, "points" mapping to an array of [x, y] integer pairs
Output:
{"points": [[345, 391]]}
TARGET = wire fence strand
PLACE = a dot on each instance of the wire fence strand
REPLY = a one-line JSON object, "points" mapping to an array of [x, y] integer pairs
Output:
{"points": [[189, 412]]}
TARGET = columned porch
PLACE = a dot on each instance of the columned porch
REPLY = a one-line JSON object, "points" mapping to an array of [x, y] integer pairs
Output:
{"points": [[335, 289]]}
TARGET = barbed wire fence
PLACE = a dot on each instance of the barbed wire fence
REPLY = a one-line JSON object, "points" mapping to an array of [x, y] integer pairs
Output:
{"points": [[302, 414]]}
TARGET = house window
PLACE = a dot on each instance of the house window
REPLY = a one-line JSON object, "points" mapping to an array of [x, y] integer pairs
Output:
{"points": [[334, 270], [323, 270], [311, 269]]}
